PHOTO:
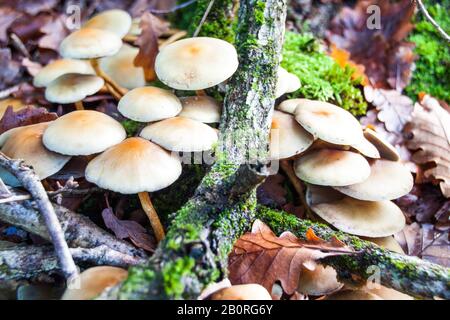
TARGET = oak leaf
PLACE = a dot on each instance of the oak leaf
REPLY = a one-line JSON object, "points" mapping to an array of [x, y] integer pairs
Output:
{"points": [[262, 257], [24, 117]]}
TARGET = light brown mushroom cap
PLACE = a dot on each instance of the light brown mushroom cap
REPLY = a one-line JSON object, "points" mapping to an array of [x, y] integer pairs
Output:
{"points": [[120, 67], [366, 148], [94, 281], [115, 21], [329, 123], [196, 63], [286, 82], [320, 281], [320, 194], [389, 294], [362, 218], [386, 150], [242, 292], [201, 108], [59, 67], [388, 180], [388, 243], [328, 167], [290, 105], [287, 137], [26, 143], [73, 87], [134, 165], [181, 134], [90, 44], [148, 104], [83, 132], [353, 295]]}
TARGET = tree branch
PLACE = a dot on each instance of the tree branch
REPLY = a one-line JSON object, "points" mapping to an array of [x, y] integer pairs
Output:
{"points": [[432, 21]]}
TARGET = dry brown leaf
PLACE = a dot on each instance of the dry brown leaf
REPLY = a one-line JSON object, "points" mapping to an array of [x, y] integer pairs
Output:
{"points": [[24, 117], [262, 257], [7, 17], [54, 33], [430, 138]]}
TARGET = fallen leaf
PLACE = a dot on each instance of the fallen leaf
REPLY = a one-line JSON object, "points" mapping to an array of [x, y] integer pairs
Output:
{"points": [[430, 140], [24, 117], [9, 69], [54, 33], [342, 57], [7, 17], [32, 7], [152, 27], [32, 67], [272, 191], [262, 257], [132, 230]]}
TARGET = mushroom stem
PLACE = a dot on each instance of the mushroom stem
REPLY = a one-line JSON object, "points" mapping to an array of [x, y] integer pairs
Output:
{"points": [[110, 82], [152, 215], [173, 38], [79, 105], [289, 171]]}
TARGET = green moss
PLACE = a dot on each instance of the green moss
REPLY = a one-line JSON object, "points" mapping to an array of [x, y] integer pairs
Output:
{"points": [[173, 274], [131, 127], [259, 12], [432, 74], [321, 77]]}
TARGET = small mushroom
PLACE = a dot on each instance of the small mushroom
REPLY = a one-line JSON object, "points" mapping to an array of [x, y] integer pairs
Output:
{"points": [[181, 134], [120, 68], [353, 295], [362, 218], [366, 148], [320, 194], [242, 292], [94, 281], [115, 21], [83, 132], [388, 180], [386, 150], [73, 88], [290, 105], [320, 281], [286, 83], [148, 104], [287, 137], [201, 108], [328, 122], [136, 166], [196, 63], [327, 167], [60, 67]]}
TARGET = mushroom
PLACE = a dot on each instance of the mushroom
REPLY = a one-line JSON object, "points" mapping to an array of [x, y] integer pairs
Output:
{"points": [[287, 137], [353, 295], [83, 132], [327, 167], [328, 122], [196, 63], [320, 194], [26, 143], [290, 105], [148, 104], [59, 67], [286, 82], [388, 294], [136, 166], [121, 69], [73, 88], [388, 180], [388, 243], [242, 292], [366, 148], [116, 21], [362, 218], [201, 108], [94, 281], [386, 150], [320, 281], [181, 134]]}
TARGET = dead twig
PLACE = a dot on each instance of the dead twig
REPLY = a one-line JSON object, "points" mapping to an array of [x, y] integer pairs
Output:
{"points": [[432, 21], [8, 91], [205, 16], [175, 8]]}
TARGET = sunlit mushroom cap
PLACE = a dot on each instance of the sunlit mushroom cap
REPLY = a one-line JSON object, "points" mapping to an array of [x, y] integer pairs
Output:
{"points": [[59, 67], [386, 150], [135, 165], [362, 218], [26, 143], [94, 281], [90, 44], [287, 137], [327, 167], [120, 67], [290, 105], [320, 281], [181, 134], [366, 148], [115, 21], [148, 104], [242, 292], [83, 132], [286, 82], [388, 180], [196, 63], [353, 295], [201, 108], [329, 122], [73, 87]]}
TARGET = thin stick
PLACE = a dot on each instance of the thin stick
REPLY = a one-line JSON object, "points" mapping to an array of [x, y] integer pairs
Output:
{"points": [[32, 183], [19, 45], [79, 105], [175, 8], [432, 21], [8, 91], [205, 15], [152, 215]]}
